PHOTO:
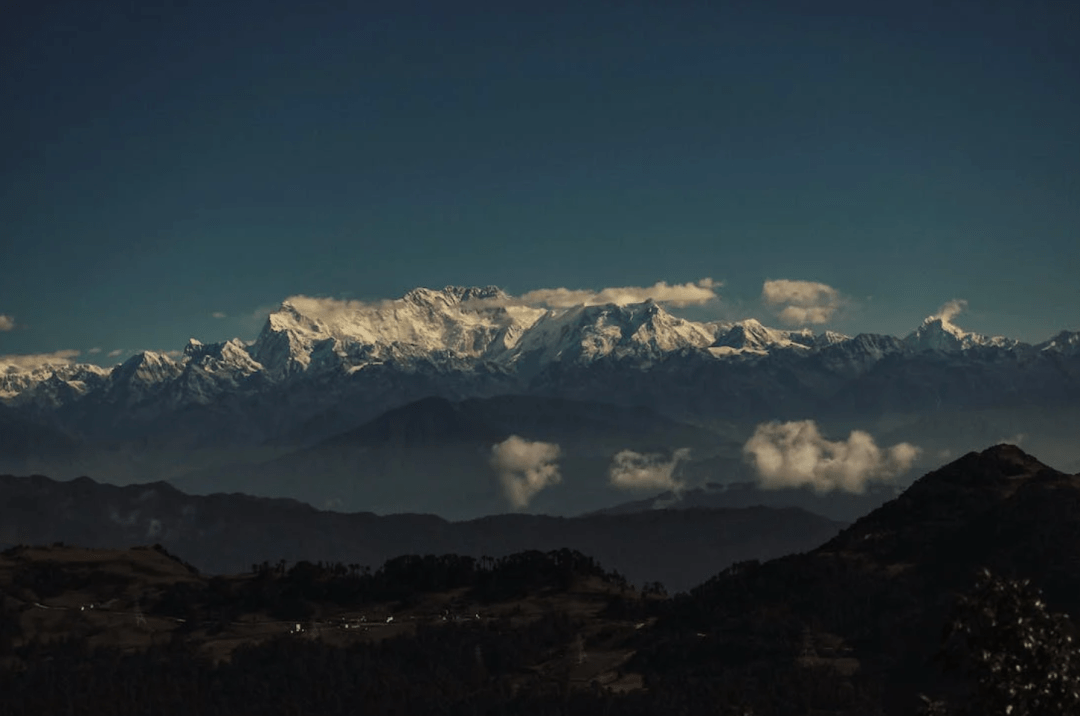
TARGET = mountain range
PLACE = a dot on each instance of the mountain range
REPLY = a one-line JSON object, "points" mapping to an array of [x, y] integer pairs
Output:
{"points": [[227, 533], [319, 369]]}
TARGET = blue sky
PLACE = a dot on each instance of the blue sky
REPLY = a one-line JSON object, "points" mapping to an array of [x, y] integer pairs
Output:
{"points": [[164, 161]]}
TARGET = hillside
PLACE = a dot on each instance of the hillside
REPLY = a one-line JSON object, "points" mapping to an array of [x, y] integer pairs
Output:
{"points": [[867, 607]]}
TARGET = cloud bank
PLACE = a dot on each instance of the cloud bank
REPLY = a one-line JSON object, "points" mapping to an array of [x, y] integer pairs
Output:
{"points": [[218, 314], [636, 471], [334, 312], [685, 294], [795, 454], [17, 363], [804, 301], [525, 468], [7, 323]]}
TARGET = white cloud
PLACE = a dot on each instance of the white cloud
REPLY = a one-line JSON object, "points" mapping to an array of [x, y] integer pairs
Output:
{"points": [[685, 294], [174, 353], [804, 301], [636, 471], [17, 363], [115, 353], [950, 309], [93, 351], [525, 468], [795, 454], [219, 314], [7, 323]]}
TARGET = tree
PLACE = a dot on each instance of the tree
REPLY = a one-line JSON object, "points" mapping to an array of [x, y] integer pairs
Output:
{"points": [[1021, 657]]}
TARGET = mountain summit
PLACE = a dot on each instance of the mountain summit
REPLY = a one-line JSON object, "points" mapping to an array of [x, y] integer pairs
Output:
{"points": [[938, 333]]}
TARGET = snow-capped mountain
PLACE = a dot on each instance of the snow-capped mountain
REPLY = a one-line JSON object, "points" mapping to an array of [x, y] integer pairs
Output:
{"points": [[48, 381], [318, 364], [1066, 343], [210, 370], [584, 334], [465, 322], [937, 333], [750, 336]]}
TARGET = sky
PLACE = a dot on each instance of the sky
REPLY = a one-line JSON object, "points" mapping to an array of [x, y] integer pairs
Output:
{"points": [[173, 169]]}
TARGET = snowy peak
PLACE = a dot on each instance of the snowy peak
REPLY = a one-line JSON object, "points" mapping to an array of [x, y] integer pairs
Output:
{"points": [[231, 357], [456, 321], [938, 334], [586, 333], [1065, 343], [38, 378], [456, 295], [147, 367], [751, 336], [830, 338]]}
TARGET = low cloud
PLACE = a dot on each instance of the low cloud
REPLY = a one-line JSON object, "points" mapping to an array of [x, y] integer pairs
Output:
{"points": [[685, 294], [218, 314], [804, 301], [18, 363], [795, 454], [636, 471], [951, 309], [525, 468], [115, 353], [7, 323], [94, 351]]}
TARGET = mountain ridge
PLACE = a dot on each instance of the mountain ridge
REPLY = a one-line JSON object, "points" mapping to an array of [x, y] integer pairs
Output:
{"points": [[228, 532], [467, 321], [320, 367]]}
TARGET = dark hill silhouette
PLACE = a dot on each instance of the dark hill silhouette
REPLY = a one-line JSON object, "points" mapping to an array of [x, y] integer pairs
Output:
{"points": [[226, 533], [873, 600]]}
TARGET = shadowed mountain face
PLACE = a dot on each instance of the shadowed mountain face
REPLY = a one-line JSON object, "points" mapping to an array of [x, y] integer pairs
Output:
{"points": [[22, 440], [228, 533], [881, 590], [435, 456]]}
